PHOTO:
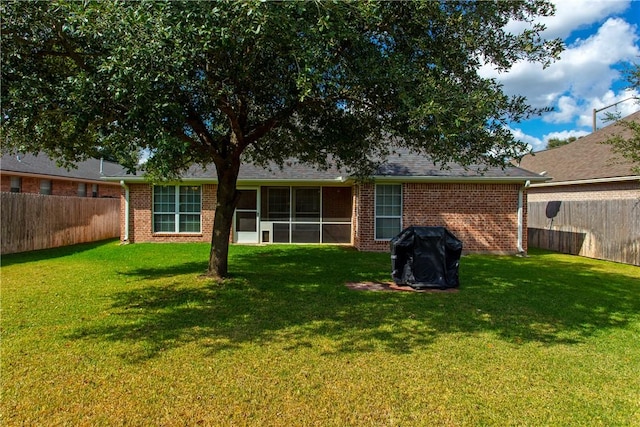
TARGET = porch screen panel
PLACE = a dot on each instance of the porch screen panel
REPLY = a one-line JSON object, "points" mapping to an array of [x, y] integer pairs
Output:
{"points": [[280, 233], [247, 200], [246, 221], [307, 204], [275, 204], [305, 233], [336, 204], [336, 233]]}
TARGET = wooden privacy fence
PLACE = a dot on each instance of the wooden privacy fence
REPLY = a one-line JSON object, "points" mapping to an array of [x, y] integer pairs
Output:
{"points": [[33, 221], [603, 229]]}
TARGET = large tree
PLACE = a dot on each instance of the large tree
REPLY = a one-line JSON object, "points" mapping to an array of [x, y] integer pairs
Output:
{"points": [[252, 81]]}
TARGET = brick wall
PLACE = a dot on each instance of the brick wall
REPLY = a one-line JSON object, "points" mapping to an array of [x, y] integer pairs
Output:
{"points": [[60, 187], [141, 220], [599, 191], [483, 216]]}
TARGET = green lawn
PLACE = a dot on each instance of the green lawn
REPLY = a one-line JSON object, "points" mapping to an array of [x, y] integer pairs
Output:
{"points": [[104, 334]]}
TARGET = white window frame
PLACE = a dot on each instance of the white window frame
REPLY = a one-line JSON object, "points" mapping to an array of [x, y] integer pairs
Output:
{"points": [[16, 184], [176, 210], [46, 187], [82, 189], [379, 216]]}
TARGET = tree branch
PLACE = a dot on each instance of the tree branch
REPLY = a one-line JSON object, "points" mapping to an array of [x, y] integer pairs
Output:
{"points": [[263, 128]]}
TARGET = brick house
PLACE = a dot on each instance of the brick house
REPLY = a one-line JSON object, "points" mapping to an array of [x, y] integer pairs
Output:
{"points": [[486, 209], [589, 206], [40, 175]]}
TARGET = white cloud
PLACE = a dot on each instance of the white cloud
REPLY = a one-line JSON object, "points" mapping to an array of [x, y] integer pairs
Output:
{"points": [[565, 134], [565, 111], [624, 101], [534, 143], [585, 69], [585, 76], [571, 15]]}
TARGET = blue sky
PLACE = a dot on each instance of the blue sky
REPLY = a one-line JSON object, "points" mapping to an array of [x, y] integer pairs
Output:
{"points": [[602, 38]]}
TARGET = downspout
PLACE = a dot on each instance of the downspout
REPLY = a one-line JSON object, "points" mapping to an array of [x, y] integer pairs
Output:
{"points": [[126, 212], [521, 250]]}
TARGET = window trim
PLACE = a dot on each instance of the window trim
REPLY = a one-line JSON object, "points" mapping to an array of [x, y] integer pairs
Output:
{"points": [[47, 190], [176, 211], [16, 184], [376, 216]]}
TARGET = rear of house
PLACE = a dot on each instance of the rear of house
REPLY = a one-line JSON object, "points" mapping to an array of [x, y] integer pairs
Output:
{"points": [[485, 208]]}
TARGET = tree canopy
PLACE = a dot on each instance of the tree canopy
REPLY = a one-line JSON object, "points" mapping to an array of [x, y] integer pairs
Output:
{"points": [[559, 142], [629, 147], [252, 81]]}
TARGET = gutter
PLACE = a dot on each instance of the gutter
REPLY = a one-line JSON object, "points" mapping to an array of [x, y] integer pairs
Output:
{"points": [[521, 250], [126, 212], [342, 180], [588, 181]]}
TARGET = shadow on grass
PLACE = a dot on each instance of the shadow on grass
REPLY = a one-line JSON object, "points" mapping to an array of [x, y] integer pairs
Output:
{"points": [[52, 253], [296, 296]]}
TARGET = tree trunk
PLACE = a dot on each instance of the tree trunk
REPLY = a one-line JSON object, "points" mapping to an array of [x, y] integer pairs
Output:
{"points": [[227, 198]]}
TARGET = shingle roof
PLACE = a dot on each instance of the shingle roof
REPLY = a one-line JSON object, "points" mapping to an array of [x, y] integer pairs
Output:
{"points": [[404, 164], [43, 165], [584, 159], [407, 164]]}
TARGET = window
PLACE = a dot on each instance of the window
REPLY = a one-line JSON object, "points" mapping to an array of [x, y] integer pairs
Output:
{"points": [[16, 184], [388, 211], [45, 186], [82, 189], [94, 190], [176, 209]]}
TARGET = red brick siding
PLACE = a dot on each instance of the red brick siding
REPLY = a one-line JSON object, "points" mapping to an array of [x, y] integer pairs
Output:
{"points": [[141, 217], [60, 187], [483, 216]]}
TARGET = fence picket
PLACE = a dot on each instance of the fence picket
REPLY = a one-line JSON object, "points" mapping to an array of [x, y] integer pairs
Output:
{"points": [[603, 229], [33, 221]]}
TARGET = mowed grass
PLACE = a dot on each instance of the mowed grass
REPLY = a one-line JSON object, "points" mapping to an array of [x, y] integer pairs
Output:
{"points": [[104, 334]]}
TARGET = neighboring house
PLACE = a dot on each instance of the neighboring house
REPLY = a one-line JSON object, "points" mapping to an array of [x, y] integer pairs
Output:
{"points": [[298, 204], [39, 174], [591, 205]]}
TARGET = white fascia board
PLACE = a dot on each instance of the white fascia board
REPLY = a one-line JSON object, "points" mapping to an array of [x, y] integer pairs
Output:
{"points": [[458, 179], [348, 180], [242, 182], [588, 181]]}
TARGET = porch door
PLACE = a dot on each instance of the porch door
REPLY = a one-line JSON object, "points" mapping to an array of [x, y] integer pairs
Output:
{"points": [[246, 218]]}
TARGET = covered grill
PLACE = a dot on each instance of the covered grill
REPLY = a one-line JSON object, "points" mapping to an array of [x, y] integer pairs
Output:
{"points": [[426, 257]]}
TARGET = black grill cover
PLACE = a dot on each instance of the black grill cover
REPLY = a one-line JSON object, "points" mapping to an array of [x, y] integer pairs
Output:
{"points": [[426, 257]]}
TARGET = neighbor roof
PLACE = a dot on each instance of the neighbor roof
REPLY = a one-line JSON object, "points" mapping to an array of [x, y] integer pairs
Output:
{"points": [[402, 166], [586, 158], [28, 164]]}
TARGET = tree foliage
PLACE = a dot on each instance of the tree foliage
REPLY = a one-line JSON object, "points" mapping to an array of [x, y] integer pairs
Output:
{"points": [[231, 82], [628, 147], [559, 142]]}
